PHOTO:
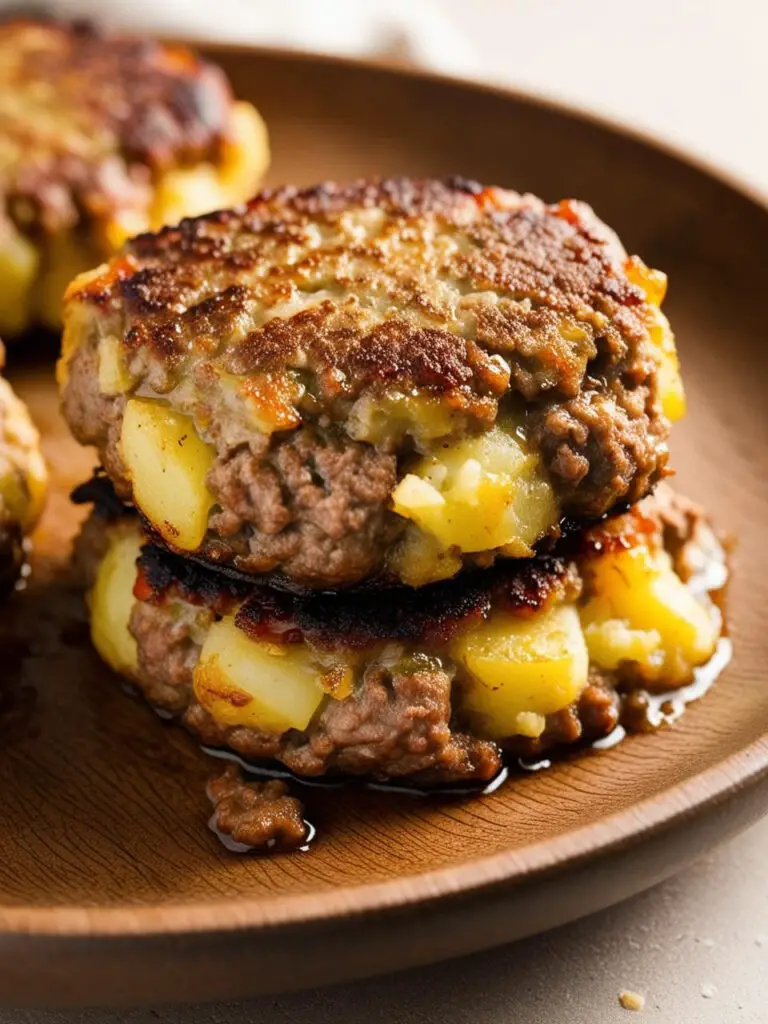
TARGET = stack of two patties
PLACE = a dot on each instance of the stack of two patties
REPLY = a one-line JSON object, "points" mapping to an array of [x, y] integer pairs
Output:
{"points": [[391, 447]]}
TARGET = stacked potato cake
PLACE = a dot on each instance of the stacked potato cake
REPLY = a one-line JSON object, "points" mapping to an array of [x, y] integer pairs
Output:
{"points": [[387, 458]]}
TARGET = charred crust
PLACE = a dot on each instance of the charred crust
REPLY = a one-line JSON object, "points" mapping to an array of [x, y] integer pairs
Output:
{"points": [[100, 492], [407, 615], [354, 621], [162, 573]]}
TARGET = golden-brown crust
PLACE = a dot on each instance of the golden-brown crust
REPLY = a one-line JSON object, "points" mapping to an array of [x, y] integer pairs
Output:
{"points": [[86, 119], [514, 268]]}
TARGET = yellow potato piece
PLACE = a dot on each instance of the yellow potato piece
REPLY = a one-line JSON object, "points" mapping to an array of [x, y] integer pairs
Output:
{"points": [[246, 154], [259, 685], [191, 191], [23, 473], [420, 559], [518, 668], [612, 642], [186, 192], [654, 284], [639, 590], [114, 378], [388, 419], [168, 462], [479, 494], [65, 256], [671, 388], [111, 601], [19, 262]]}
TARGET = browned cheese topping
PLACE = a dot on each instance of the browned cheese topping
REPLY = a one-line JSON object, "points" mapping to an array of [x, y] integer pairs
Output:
{"points": [[362, 368]]}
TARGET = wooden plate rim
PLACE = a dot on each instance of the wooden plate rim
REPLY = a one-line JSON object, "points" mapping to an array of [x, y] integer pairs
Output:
{"points": [[684, 802], [740, 183]]}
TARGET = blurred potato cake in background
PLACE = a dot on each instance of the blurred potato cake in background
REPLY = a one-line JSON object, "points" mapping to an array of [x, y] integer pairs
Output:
{"points": [[103, 137], [23, 480], [389, 380]]}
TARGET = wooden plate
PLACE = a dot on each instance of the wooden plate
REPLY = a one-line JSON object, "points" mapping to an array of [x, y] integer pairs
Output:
{"points": [[111, 887]]}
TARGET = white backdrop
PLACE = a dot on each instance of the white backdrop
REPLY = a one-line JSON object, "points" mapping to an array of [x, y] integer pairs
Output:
{"points": [[693, 71]]}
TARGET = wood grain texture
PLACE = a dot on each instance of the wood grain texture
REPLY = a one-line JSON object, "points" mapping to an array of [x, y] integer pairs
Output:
{"points": [[111, 887]]}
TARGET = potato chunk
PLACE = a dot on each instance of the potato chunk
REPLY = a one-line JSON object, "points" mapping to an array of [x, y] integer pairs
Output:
{"points": [[483, 493], [185, 192], [114, 378], [245, 155], [23, 473], [419, 558], [168, 463], [521, 669], [671, 391], [192, 191], [260, 685], [65, 256], [387, 419], [111, 600], [643, 613], [19, 262]]}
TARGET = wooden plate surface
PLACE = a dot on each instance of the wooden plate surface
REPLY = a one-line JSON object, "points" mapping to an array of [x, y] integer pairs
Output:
{"points": [[112, 890]]}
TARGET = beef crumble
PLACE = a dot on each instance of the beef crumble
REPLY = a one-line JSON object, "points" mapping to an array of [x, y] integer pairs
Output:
{"points": [[258, 815]]}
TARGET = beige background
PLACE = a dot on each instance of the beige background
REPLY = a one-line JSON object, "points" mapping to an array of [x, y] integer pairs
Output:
{"points": [[694, 71], [697, 946]]}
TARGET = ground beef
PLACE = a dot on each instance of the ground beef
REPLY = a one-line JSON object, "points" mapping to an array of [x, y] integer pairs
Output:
{"points": [[249, 743], [595, 714], [696, 549], [403, 718], [307, 306], [94, 418], [315, 505], [393, 726], [592, 447], [260, 815], [167, 651]]}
